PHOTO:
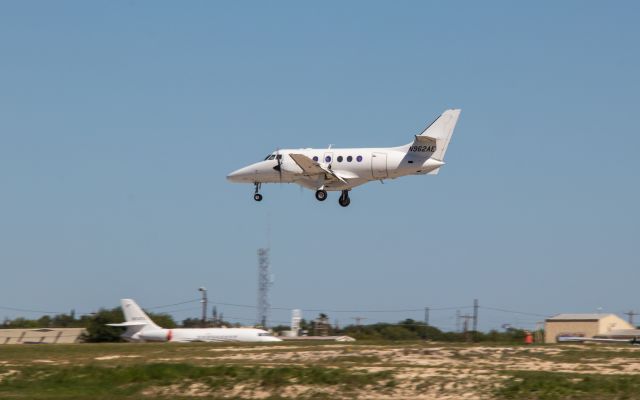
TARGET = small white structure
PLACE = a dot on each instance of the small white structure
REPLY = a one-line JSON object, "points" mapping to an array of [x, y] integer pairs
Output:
{"points": [[296, 317]]}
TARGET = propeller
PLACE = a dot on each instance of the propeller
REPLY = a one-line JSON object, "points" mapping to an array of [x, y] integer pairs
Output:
{"points": [[279, 166]]}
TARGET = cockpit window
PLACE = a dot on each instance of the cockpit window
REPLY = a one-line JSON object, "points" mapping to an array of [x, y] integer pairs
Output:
{"points": [[270, 157], [267, 157]]}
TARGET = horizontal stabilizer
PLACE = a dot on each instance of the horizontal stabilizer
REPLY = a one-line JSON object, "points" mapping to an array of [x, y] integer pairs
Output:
{"points": [[130, 323], [440, 132], [425, 139]]}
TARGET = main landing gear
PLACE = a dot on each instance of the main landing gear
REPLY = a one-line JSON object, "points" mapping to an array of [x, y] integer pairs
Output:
{"points": [[321, 195], [344, 199], [257, 196]]}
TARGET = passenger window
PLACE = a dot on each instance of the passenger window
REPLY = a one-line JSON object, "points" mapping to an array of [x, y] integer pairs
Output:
{"points": [[349, 159], [327, 159], [339, 158], [315, 158], [359, 158]]}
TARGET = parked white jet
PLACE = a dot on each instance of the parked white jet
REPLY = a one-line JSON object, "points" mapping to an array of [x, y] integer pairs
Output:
{"points": [[140, 328], [633, 341], [330, 169]]}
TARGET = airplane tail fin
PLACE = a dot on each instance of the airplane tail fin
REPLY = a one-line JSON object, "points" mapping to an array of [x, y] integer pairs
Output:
{"points": [[136, 320], [439, 133], [133, 313]]}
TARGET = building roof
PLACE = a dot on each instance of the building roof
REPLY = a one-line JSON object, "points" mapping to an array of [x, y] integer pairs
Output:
{"points": [[40, 335], [578, 317]]}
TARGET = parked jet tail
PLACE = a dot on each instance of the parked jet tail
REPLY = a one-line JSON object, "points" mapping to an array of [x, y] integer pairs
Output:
{"points": [[439, 133], [136, 319]]}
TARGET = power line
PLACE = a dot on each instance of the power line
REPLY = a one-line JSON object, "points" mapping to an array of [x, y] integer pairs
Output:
{"points": [[173, 304], [397, 310], [32, 311], [513, 311], [346, 311], [88, 313], [181, 310], [630, 314]]}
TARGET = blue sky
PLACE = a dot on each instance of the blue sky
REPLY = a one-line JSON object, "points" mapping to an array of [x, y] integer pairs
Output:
{"points": [[120, 120]]}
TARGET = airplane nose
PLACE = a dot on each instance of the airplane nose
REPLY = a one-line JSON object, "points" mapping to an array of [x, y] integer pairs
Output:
{"points": [[233, 177], [238, 175]]}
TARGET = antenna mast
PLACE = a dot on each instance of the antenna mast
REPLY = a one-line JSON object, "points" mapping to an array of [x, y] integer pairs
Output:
{"points": [[264, 282]]}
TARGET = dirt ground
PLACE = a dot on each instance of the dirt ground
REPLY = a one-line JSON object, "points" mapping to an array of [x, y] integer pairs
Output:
{"points": [[403, 370], [446, 371]]}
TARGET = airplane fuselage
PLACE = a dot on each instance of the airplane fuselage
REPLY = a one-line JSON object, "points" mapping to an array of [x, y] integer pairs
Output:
{"points": [[356, 165], [203, 335]]}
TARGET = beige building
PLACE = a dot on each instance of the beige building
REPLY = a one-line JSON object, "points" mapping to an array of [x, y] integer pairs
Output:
{"points": [[583, 325], [40, 335]]}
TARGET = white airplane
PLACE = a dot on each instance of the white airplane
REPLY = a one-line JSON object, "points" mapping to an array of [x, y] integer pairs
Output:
{"points": [[633, 341], [140, 328], [330, 169]]}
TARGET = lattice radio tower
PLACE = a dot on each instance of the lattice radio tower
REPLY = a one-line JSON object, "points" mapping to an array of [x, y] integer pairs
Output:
{"points": [[264, 282]]}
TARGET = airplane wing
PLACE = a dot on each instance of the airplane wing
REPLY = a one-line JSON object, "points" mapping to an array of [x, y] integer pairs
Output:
{"points": [[310, 167]]}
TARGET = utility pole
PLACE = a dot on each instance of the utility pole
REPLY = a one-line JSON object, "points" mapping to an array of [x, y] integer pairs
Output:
{"points": [[457, 320], [214, 316], [426, 316], [630, 314], [204, 302], [465, 324], [475, 315], [539, 335], [358, 319]]}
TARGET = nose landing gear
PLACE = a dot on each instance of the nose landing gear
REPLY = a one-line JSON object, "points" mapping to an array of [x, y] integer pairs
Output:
{"points": [[344, 199], [257, 196]]}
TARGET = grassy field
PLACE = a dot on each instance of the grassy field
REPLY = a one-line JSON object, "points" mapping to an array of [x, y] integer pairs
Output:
{"points": [[409, 370]]}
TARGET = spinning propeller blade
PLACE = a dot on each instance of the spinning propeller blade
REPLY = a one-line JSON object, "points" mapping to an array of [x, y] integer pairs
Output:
{"points": [[279, 166]]}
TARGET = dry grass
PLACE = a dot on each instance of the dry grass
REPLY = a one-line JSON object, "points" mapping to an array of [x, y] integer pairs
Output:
{"points": [[319, 370]]}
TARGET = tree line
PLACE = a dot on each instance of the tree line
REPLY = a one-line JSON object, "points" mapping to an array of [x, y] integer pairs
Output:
{"points": [[407, 329], [97, 330]]}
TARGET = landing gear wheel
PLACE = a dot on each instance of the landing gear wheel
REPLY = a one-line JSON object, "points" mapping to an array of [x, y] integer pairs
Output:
{"points": [[344, 199], [321, 195], [257, 196]]}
